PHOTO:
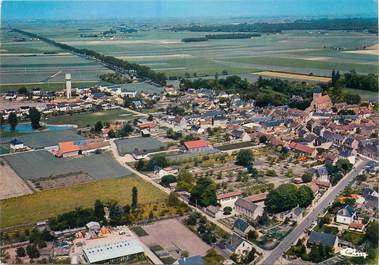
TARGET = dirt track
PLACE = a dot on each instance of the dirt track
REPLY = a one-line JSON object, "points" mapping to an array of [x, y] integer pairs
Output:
{"points": [[11, 185]]}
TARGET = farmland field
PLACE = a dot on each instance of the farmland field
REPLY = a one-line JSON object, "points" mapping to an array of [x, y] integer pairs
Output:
{"points": [[43, 164], [38, 140], [46, 204], [90, 118], [305, 52], [148, 144]]}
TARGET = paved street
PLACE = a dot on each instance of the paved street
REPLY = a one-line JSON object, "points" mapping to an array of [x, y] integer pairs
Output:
{"points": [[273, 256]]}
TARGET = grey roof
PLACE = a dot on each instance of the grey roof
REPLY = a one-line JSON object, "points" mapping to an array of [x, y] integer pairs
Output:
{"points": [[246, 205], [234, 242], [297, 211], [241, 224], [346, 211], [193, 260], [322, 238]]}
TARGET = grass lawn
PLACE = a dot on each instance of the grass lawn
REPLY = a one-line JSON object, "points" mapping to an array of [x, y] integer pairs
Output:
{"points": [[46, 204], [354, 237], [90, 118]]}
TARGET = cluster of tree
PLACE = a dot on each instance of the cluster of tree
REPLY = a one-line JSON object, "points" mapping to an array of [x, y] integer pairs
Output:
{"points": [[204, 230], [355, 24], [80, 217], [114, 78], [173, 135], [222, 37], [204, 192], [354, 80], [288, 196], [337, 171], [125, 131], [34, 116], [31, 250], [175, 110], [111, 62], [232, 36], [212, 257], [185, 181], [158, 161], [194, 39], [318, 253], [244, 157]]}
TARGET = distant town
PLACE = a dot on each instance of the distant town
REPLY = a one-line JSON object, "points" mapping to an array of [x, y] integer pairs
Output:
{"points": [[141, 168]]}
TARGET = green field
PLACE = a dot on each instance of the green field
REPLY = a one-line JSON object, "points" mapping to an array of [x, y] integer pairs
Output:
{"points": [[364, 94], [90, 118], [46, 204], [48, 86], [162, 50]]}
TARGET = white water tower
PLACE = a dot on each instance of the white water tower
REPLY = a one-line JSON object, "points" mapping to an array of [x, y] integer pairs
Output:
{"points": [[68, 85]]}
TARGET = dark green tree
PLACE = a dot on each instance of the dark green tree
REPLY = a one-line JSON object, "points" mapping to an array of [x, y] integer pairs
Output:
{"points": [[32, 251], [13, 121], [245, 157], [99, 210], [304, 196], [372, 233], [204, 192], [35, 117], [306, 177], [98, 126], [134, 198], [20, 252], [282, 198]]}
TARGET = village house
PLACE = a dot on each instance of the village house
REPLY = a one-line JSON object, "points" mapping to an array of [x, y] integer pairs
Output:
{"points": [[346, 215], [242, 227], [303, 149], [228, 199], [325, 239], [198, 146], [248, 209], [214, 211], [237, 245]]}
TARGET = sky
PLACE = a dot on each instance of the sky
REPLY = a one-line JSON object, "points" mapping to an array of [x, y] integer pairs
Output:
{"points": [[107, 9]]}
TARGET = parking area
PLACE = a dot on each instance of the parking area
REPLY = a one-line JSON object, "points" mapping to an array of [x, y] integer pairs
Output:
{"points": [[173, 237]]}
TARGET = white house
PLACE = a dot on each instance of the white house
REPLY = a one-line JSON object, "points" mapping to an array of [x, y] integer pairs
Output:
{"points": [[346, 215], [228, 199]]}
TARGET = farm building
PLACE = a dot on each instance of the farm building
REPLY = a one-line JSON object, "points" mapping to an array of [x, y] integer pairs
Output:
{"points": [[117, 252], [197, 146]]}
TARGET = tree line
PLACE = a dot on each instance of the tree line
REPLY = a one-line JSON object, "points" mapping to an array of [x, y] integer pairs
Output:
{"points": [[113, 62], [354, 24], [226, 36]]}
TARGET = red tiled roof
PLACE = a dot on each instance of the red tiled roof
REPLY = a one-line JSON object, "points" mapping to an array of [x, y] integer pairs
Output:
{"points": [[67, 147], [146, 125], [257, 197], [276, 141], [228, 195], [356, 225], [323, 100], [196, 144], [301, 147]]}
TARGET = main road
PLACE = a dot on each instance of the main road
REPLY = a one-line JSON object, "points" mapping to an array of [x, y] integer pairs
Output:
{"points": [[273, 256]]}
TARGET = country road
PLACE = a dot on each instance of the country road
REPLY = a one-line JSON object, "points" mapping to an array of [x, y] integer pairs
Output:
{"points": [[328, 198]]}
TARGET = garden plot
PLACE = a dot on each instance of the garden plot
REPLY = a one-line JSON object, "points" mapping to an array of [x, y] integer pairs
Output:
{"points": [[145, 144], [42, 164]]}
